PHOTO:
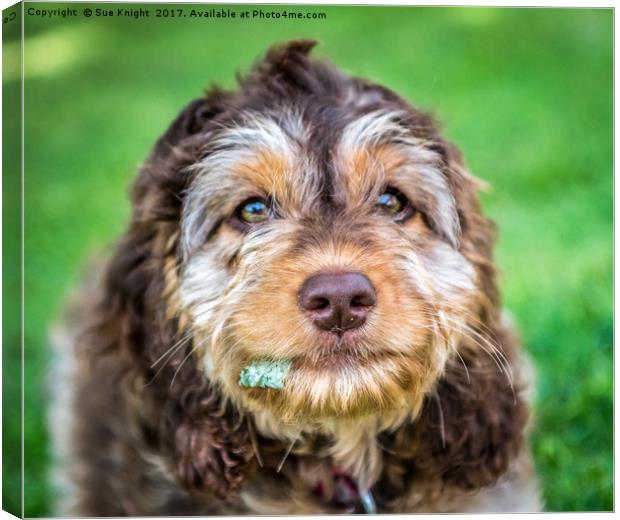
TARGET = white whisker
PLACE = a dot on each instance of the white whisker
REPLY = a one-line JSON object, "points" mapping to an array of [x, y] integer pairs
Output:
{"points": [[172, 349], [464, 365], [288, 451], [442, 428]]}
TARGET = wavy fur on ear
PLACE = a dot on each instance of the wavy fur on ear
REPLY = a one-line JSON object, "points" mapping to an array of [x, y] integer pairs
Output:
{"points": [[203, 438], [210, 441], [469, 433], [471, 427]]}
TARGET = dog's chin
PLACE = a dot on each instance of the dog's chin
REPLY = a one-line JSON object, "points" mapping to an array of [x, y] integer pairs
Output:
{"points": [[332, 383]]}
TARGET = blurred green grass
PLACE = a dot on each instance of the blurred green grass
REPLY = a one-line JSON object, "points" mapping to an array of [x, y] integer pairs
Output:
{"points": [[526, 93]]}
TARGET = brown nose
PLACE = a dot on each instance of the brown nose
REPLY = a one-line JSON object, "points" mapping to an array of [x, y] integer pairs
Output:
{"points": [[337, 302]]}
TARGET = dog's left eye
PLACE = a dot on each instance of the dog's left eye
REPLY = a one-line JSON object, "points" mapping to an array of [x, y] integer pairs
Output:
{"points": [[254, 211], [393, 203]]}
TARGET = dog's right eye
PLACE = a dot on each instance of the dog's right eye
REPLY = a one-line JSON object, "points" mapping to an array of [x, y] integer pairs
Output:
{"points": [[253, 211], [394, 204]]}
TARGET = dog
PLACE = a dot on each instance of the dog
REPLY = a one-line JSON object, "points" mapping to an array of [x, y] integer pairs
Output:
{"points": [[320, 222]]}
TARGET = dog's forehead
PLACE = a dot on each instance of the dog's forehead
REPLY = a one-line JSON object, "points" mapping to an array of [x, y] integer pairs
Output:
{"points": [[293, 157]]}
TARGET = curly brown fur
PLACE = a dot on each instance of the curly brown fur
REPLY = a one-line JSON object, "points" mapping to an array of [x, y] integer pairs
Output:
{"points": [[423, 404]]}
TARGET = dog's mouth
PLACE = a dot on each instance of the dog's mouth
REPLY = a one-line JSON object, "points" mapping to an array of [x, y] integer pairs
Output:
{"points": [[335, 354], [328, 360]]}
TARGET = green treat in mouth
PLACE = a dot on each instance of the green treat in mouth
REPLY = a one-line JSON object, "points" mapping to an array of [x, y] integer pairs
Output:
{"points": [[265, 373]]}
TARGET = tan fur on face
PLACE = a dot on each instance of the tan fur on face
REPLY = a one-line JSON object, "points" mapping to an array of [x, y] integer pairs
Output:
{"points": [[393, 361], [394, 365]]}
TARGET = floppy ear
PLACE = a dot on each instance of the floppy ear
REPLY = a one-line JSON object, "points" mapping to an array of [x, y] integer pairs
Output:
{"points": [[471, 427], [203, 438]]}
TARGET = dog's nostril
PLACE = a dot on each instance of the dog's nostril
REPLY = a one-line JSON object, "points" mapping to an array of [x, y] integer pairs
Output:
{"points": [[363, 300], [337, 302], [318, 304]]}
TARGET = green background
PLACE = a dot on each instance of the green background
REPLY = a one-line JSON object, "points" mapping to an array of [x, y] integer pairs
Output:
{"points": [[526, 93]]}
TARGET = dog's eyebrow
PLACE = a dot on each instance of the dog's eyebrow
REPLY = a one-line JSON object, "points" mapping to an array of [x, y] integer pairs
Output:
{"points": [[280, 133], [260, 155], [377, 150], [376, 127]]}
